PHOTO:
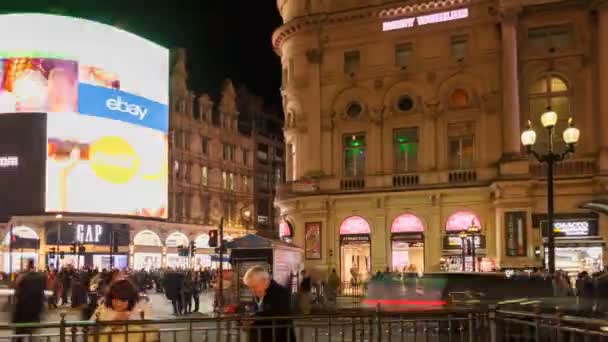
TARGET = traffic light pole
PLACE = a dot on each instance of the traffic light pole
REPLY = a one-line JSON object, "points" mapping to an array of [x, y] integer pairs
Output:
{"points": [[221, 273], [10, 253]]}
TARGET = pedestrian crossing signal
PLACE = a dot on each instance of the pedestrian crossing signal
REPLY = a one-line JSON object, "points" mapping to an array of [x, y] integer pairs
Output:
{"points": [[213, 238]]}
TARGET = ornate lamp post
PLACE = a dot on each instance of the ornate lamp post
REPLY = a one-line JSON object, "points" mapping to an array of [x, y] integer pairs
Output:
{"points": [[528, 139]]}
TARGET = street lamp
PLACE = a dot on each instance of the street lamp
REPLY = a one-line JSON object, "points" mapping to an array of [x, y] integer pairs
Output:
{"points": [[473, 230], [528, 139], [246, 216]]}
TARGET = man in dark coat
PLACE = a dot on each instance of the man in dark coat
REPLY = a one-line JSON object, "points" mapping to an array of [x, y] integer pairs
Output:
{"points": [[272, 300], [29, 295]]}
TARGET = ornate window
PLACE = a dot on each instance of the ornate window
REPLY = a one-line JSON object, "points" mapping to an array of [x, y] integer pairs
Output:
{"points": [[405, 145], [460, 98], [354, 110], [405, 103], [552, 91], [354, 155]]}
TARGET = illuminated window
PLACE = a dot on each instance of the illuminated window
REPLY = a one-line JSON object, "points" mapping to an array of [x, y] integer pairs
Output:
{"points": [[550, 37], [552, 91], [405, 146], [204, 176], [403, 54], [459, 46], [461, 141], [351, 62], [231, 182], [245, 184], [354, 155], [224, 180], [459, 98]]}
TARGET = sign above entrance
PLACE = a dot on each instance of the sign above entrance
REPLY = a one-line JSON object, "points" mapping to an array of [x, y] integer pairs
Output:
{"points": [[407, 223], [94, 233], [461, 221], [354, 239], [354, 225], [421, 20], [455, 241], [571, 225]]}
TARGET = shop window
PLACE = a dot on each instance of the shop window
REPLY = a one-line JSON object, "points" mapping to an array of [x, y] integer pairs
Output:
{"points": [[405, 146], [354, 155]]}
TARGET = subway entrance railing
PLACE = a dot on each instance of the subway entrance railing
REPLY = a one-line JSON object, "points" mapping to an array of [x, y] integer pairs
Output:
{"points": [[493, 325]]}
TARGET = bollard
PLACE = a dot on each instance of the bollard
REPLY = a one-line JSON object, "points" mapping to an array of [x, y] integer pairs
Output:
{"points": [[62, 327]]}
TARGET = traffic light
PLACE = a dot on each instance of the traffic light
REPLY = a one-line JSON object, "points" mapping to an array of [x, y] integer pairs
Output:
{"points": [[81, 250], [192, 248], [213, 238]]}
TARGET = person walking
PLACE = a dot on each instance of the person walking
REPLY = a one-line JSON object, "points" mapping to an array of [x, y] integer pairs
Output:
{"points": [[196, 290], [187, 288], [333, 285], [29, 298], [305, 293]]}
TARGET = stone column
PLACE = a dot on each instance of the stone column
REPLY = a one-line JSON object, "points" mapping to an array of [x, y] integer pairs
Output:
{"points": [[602, 117], [510, 83]]}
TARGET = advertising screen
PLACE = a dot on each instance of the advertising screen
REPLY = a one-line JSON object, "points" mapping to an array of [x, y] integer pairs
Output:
{"points": [[105, 92], [22, 156]]}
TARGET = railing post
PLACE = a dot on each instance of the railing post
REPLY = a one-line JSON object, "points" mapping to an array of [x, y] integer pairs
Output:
{"points": [[492, 318], [558, 315], [471, 332], [537, 314], [378, 323], [62, 327]]}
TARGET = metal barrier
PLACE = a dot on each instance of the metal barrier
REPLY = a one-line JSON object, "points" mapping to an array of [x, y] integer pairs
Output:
{"points": [[450, 326]]}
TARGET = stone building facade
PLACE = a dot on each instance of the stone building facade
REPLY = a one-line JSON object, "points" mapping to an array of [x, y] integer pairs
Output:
{"points": [[403, 123]]}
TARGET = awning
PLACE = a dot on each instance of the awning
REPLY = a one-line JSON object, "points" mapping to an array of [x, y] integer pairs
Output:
{"points": [[598, 205]]}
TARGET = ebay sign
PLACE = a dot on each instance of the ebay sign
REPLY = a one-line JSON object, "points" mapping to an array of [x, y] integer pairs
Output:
{"points": [[425, 19]]}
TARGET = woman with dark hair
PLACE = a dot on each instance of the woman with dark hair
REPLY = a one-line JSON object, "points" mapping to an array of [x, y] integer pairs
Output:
{"points": [[122, 303]]}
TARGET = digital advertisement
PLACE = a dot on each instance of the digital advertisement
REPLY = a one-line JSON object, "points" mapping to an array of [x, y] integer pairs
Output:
{"points": [[105, 92]]}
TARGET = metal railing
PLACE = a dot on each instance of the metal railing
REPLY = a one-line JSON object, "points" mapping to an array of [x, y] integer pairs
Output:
{"points": [[442, 325]]}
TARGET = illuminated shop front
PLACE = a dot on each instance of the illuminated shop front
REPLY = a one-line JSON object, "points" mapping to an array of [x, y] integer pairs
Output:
{"points": [[147, 250], [355, 249], [459, 245], [26, 243], [101, 245], [578, 244], [407, 243], [174, 260]]}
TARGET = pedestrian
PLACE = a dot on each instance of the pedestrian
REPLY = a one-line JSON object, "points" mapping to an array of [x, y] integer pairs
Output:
{"points": [[271, 300], [305, 293], [187, 289], [333, 285], [65, 277], [52, 284], [122, 303], [29, 297], [196, 290]]}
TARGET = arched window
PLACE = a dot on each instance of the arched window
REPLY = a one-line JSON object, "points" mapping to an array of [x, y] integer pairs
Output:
{"points": [[354, 225], [461, 221], [147, 238], [551, 90], [177, 239], [202, 241], [23, 232], [407, 223]]}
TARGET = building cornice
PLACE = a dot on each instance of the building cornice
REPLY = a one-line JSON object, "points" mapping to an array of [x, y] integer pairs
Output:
{"points": [[300, 24]]}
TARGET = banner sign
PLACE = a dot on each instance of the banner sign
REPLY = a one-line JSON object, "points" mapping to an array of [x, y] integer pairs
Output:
{"points": [[455, 241], [355, 239], [87, 233], [515, 233]]}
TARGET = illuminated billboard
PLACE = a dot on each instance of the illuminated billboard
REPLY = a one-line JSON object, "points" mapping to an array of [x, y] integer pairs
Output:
{"points": [[105, 92]]}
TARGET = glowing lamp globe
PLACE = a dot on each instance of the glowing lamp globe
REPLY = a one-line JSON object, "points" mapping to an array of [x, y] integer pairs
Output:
{"points": [[571, 134], [528, 137], [548, 119]]}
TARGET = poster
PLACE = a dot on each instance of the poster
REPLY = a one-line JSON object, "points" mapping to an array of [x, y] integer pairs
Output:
{"points": [[515, 233], [313, 240]]}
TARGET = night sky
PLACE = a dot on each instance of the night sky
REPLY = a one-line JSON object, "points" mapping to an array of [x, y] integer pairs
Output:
{"points": [[224, 38]]}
